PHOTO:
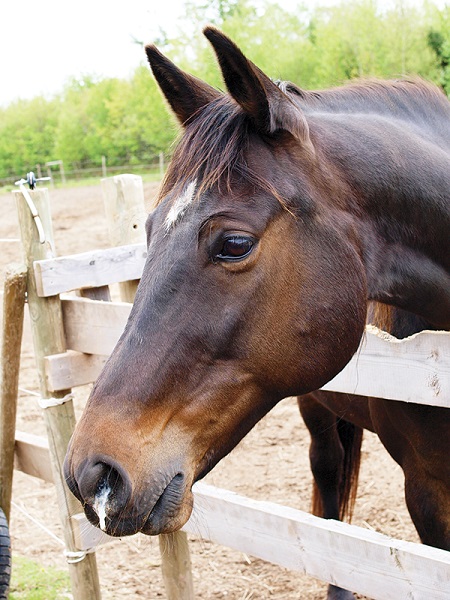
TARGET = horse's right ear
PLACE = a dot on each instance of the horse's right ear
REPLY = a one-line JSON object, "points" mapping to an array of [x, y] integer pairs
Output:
{"points": [[269, 108], [185, 93]]}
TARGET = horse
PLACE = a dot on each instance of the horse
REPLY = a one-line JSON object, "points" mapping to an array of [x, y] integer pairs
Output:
{"points": [[336, 422], [282, 215]]}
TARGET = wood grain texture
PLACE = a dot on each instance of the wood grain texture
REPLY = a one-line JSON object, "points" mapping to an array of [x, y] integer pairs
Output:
{"points": [[89, 269], [11, 342], [48, 338], [414, 369]]}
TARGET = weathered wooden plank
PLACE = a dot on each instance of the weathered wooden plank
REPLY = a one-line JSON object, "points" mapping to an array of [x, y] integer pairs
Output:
{"points": [[176, 566], [123, 197], [11, 340], [92, 326], [414, 369], [89, 269], [71, 369], [351, 557], [32, 456]]}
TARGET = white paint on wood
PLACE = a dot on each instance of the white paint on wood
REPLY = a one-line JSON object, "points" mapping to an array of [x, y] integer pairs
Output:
{"points": [[414, 369], [89, 269]]}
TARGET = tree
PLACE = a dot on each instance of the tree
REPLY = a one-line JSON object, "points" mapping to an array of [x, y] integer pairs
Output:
{"points": [[27, 131]]}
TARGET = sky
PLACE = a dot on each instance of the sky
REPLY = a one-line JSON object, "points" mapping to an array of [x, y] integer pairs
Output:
{"points": [[43, 44]]}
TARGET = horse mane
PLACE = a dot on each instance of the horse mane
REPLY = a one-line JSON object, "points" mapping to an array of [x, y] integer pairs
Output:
{"points": [[406, 98]]}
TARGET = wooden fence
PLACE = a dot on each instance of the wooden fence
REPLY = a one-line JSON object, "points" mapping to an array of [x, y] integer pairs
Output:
{"points": [[85, 329]]}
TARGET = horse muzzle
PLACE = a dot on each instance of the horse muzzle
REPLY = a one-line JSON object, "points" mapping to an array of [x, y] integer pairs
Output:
{"points": [[162, 503]]}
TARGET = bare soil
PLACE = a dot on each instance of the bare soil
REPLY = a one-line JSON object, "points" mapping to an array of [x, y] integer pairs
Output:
{"points": [[271, 463]]}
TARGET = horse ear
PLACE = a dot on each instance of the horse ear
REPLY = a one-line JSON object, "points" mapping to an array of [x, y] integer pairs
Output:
{"points": [[185, 93], [270, 108]]}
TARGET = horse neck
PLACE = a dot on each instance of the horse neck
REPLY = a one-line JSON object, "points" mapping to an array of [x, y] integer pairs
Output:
{"points": [[395, 187]]}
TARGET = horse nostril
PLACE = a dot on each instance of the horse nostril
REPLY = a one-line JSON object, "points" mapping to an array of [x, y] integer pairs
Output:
{"points": [[103, 484]]}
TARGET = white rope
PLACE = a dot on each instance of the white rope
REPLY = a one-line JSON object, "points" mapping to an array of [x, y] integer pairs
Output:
{"points": [[75, 556], [50, 402]]}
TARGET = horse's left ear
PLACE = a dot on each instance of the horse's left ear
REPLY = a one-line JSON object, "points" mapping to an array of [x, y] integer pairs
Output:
{"points": [[270, 108]]}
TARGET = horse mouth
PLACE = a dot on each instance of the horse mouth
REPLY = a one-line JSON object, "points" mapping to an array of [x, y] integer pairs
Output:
{"points": [[169, 513]]}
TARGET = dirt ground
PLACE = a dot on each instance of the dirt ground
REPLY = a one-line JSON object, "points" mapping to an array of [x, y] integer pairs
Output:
{"points": [[271, 463]]}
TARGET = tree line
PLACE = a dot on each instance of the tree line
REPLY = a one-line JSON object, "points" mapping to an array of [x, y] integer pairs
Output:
{"points": [[127, 120]]}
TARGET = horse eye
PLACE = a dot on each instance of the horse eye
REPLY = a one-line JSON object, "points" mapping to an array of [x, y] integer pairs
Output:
{"points": [[235, 247]]}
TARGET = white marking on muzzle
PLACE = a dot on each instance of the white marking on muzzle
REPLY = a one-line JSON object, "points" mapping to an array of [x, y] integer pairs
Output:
{"points": [[180, 206], [100, 502]]}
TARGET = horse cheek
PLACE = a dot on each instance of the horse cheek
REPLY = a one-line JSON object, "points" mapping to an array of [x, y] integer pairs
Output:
{"points": [[331, 315]]}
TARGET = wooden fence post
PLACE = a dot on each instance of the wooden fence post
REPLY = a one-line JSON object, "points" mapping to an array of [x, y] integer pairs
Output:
{"points": [[125, 214], [48, 339], [123, 196], [13, 310]]}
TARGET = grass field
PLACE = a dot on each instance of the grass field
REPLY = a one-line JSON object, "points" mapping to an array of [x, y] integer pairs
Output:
{"points": [[32, 581]]}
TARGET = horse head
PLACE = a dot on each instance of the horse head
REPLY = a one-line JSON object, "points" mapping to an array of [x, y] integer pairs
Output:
{"points": [[253, 290]]}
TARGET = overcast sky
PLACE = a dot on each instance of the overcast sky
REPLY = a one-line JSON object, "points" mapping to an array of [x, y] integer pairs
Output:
{"points": [[43, 44]]}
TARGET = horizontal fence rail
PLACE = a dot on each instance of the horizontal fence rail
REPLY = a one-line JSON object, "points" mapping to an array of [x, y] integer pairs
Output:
{"points": [[415, 369], [89, 269]]}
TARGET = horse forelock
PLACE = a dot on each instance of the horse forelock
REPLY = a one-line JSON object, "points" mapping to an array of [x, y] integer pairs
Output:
{"points": [[213, 152], [211, 148]]}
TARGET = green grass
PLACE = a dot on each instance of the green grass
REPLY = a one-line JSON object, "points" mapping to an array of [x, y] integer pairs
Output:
{"points": [[31, 580]]}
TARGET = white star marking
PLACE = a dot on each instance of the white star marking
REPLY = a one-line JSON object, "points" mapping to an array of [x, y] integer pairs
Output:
{"points": [[179, 207]]}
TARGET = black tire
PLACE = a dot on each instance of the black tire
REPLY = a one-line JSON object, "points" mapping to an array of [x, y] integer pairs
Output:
{"points": [[5, 557]]}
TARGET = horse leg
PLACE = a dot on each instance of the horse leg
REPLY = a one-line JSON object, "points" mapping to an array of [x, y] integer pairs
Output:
{"points": [[417, 439], [334, 456]]}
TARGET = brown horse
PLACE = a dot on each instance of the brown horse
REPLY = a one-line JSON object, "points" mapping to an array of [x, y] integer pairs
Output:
{"points": [[336, 422], [283, 212]]}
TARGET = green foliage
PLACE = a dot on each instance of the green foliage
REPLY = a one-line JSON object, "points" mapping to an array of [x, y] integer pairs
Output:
{"points": [[128, 122], [32, 581], [123, 120], [439, 42], [27, 130]]}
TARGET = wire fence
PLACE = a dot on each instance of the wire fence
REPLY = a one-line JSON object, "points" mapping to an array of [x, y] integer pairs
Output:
{"points": [[61, 172]]}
